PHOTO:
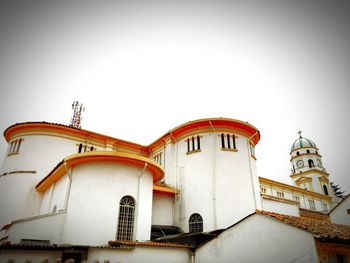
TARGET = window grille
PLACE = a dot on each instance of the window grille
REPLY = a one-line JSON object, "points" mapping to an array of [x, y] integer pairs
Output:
{"points": [[312, 204], [14, 146], [196, 223], [324, 207], [193, 144], [126, 218], [228, 141], [280, 194], [158, 158], [297, 198]]}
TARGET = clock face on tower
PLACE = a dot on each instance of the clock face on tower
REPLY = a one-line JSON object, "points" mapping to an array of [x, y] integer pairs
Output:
{"points": [[300, 163]]}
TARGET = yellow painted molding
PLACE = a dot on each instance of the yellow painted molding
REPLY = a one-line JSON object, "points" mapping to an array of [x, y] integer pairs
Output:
{"points": [[323, 179], [164, 189], [303, 179], [61, 169], [67, 132], [207, 126], [303, 154], [279, 199], [309, 172], [294, 189]]}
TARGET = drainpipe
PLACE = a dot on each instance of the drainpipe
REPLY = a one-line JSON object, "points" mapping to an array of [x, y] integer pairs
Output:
{"points": [[192, 253], [250, 170], [176, 181], [214, 177], [164, 151], [69, 173], [138, 196]]}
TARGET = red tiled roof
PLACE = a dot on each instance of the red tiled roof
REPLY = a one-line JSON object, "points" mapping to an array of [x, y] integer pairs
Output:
{"points": [[147, 244], [319, 229]]}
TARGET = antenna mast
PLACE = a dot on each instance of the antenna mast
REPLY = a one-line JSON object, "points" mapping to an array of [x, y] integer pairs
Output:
{"points": [[76, 117]]}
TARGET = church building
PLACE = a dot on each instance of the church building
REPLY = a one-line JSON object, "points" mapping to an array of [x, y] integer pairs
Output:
{"points": [[193, 195]]}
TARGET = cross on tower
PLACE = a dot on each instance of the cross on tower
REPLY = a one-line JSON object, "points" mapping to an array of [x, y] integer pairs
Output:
{"points": [[299, 132]]}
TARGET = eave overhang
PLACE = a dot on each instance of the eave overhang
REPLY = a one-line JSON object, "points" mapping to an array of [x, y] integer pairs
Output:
{"points": [[206, 125], [97, 156]]}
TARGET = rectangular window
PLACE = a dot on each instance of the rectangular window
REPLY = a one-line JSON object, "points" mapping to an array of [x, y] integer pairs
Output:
{"points": [[312, 204], [193, 144], [297, 198], [228, 141], [158, 158], [14, 146], [252, 149], [85, 148], [280, 194], [324, 207]]}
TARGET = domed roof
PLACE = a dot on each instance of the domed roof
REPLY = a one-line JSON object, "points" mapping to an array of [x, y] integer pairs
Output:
{"points": [[302, 142]]}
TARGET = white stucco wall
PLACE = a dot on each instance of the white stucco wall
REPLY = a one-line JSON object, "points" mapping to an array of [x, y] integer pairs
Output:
{"points": [[238, 188], [162, 209], [259, 239], [340, 215], [44, 227], [93, 205], [18, 197], [279, 207], [38, 154], [55, 196], [140, 254], [222, 186]]}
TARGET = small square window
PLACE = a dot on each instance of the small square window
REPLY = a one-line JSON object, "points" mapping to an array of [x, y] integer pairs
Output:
{"points": [[348, 211]]}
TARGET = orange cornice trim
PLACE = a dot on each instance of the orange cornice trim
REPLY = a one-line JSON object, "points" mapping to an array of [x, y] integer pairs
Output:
{"points": [[217, 124], [40, 127], [164, 189], [76, 159]]}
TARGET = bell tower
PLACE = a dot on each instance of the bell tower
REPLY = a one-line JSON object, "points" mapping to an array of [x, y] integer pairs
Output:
{"points": [[307, 168]]}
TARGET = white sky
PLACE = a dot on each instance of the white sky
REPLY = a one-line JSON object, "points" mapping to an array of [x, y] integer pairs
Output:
{"points": [[143, 67]]}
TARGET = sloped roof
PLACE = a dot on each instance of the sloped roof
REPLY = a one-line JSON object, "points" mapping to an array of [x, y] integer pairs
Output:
{"points": [[322, 230], [192, 239], [334, 208], [147, 244]]}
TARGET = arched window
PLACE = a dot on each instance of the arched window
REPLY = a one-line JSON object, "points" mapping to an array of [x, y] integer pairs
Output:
{"points": [[196, 223], [311, 163], [307, 151], [298, 153], [325, 189], [126, 218]]}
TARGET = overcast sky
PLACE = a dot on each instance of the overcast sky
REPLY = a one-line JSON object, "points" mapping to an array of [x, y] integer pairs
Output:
{"points": [[143, 67]]}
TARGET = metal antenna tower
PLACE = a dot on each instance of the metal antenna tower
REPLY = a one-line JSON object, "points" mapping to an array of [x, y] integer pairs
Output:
{"points": [[76, 117]]}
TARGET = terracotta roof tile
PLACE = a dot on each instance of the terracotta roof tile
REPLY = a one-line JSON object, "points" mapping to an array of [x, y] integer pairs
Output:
{"points": [[320, 229], [147, 244]]}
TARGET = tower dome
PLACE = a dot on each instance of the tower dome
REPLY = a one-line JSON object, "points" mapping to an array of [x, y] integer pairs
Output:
{"points": [[302, 142], [307, 168]]}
